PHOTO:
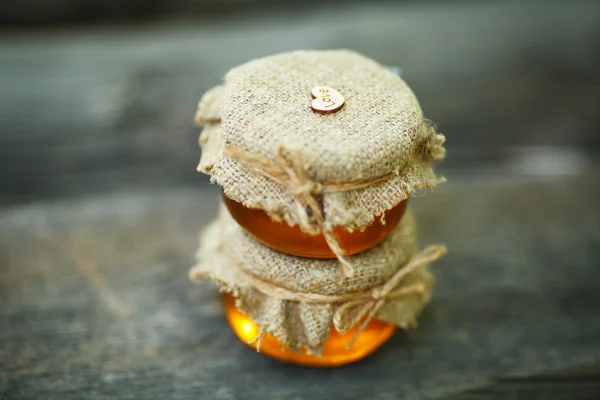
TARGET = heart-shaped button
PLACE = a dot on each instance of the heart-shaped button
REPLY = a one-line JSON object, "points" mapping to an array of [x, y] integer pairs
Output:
{"points": [[326, 100]]}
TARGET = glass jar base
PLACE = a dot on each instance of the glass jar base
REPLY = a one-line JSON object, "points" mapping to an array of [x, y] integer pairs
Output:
{"points": [[334, 350]]}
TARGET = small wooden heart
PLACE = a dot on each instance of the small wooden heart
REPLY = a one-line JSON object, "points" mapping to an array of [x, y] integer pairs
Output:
{"points": [[326, 100]]}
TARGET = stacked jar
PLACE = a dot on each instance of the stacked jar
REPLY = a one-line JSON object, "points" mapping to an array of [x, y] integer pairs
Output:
{"points": [[317, 153]]}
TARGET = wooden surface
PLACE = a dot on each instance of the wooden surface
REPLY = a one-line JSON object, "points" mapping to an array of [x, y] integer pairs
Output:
{"points": [[100, 206], [99, 304]]}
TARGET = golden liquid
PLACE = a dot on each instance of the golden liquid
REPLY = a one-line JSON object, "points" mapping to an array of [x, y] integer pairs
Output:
{"points": [[291, 240], [334, 350]]}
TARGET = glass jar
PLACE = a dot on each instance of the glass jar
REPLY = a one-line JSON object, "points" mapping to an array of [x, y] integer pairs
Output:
{"points": [[334, 353], [292, 240]]}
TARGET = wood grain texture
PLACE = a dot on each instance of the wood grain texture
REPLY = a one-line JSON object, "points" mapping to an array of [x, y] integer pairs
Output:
{"points": [[97, 303]]}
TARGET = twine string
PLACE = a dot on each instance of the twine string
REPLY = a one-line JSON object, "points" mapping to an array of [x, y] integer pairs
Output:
{"points": [[353, 307], [288, 169]]}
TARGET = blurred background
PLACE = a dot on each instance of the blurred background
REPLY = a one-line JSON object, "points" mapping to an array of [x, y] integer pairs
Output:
{"points": [[101, 204], [100, 95]]}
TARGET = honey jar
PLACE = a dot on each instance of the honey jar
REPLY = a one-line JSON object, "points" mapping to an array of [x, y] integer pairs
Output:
{"points": [[315, 315], [317, 153]]}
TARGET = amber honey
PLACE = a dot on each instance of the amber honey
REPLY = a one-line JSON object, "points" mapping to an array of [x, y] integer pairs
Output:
{"points": [[334, 353], [292, 240]]}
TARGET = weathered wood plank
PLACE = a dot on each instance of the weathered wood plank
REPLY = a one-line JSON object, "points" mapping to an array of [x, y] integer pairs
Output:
{"points": [[96, 302]]}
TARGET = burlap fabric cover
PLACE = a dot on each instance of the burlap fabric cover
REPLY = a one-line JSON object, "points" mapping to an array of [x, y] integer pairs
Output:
{"points": [[356, 163], [233, 259]]}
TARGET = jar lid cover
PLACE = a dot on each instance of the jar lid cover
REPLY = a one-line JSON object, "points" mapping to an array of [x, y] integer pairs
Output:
{"points": [[267, 147]]}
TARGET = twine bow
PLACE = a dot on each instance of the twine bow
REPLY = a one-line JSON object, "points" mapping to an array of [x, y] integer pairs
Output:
{"points": [[365, 308]]}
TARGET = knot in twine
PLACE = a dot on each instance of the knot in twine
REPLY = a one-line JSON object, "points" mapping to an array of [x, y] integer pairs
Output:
{"points": [[353, 307], [287, 169]]}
